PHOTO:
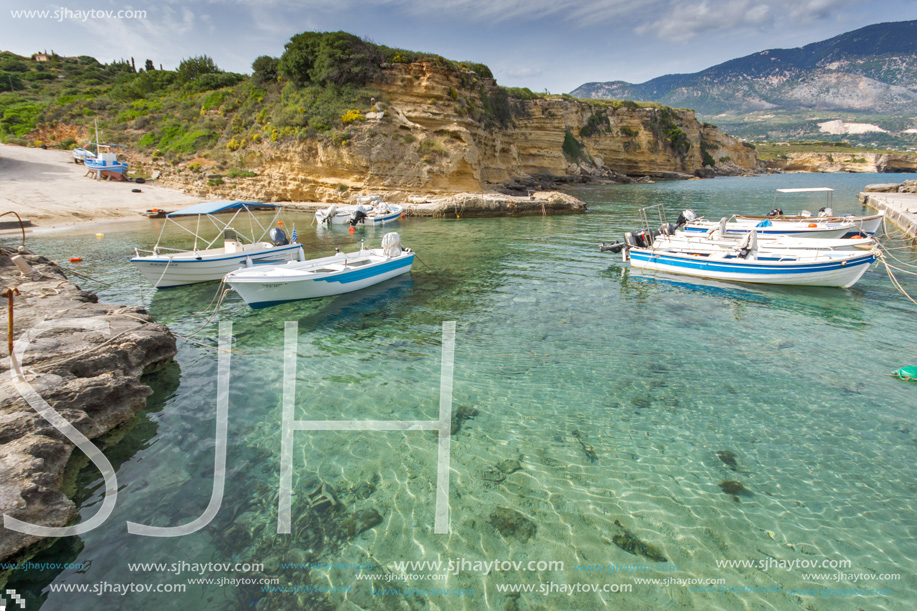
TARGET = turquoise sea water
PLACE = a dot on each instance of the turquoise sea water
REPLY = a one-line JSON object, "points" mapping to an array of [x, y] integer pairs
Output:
{"points": [[652, 417]]}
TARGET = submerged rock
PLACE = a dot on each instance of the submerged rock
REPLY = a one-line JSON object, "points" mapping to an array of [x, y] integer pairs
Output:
{"points": [[510, 465], [632, 544], [728, 459], [735, 488], [511, 523], [360, 521], [460, 415]]}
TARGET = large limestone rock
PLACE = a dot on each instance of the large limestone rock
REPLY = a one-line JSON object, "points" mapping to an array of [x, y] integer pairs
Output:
{"points": [[91, 379]]}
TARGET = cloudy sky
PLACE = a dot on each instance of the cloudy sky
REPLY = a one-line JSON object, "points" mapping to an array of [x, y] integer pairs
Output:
{"points": [[541, 44]]}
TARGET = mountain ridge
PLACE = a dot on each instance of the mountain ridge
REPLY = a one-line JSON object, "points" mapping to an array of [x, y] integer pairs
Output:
{"points": [[870, 69]]}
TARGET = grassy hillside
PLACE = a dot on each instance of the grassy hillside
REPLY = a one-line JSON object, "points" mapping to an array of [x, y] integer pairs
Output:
{"points": [[318, 88]]}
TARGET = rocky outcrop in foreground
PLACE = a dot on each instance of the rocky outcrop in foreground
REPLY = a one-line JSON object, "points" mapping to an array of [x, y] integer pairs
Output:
{"points": [[92, 379]]}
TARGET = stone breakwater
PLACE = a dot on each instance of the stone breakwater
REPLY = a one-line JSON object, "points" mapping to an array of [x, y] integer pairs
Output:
{"points": [[897, 201], [91, 378]]}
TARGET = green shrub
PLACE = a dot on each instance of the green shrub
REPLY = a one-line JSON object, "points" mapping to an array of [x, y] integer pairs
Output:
{"points": [[215, 182], [330, 58], [241, 174], [597, 123], [67, 144], [629, 132], [573, 149]]}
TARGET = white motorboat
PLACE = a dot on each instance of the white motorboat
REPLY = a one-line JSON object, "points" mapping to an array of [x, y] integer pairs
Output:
{"points": [[714, 254], [168, 267], [748, 263], [770, 227], [268, 285], [718, 239], [867, 224], [371, 212]]}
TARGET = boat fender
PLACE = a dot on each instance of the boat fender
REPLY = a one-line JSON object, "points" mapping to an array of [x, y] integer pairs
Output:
{"points": [[75, 259], [136, 191], [139, 180]]}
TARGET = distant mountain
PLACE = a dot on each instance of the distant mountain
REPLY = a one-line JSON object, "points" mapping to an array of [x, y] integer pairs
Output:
{"points": [[870, 70]]}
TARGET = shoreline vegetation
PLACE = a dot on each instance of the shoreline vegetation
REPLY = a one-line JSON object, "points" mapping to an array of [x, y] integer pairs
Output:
{"points": [[336, 116]]}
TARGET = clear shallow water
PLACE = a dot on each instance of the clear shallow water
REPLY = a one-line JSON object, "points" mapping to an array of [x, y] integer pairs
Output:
{"points": [[615, 392]]}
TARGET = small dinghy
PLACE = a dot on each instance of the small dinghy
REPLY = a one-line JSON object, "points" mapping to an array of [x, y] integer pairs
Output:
{"points": [[267, 285]]}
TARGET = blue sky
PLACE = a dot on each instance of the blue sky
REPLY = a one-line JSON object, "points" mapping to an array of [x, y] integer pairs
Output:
{"points": [[541, 44]]}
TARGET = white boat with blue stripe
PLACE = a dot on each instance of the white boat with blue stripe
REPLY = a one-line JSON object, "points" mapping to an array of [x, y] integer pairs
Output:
{"points": [[270, 285], [167, 267], [746, 263]]}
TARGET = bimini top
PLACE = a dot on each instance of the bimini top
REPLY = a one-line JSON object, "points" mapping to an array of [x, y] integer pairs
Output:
{"points": [[216, 207], [806, 190]]}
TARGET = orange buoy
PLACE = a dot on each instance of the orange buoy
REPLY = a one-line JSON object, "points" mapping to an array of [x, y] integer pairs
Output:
{"points": [[280, 223], [351, 229], [75, 259], [813, 224]]}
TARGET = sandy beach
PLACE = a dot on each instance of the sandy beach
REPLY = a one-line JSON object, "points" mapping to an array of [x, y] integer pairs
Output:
{"points": [[47, 188]]}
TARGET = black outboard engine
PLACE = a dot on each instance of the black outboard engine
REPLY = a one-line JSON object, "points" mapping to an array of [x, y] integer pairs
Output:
{"points": [[358, 217], [686, 216], [630, 239], [278, 237], [667, 229], [775, 212], [612, 248]]}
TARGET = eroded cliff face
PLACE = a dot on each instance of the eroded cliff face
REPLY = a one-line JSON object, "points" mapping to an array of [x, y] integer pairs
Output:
{"points": [[853, 162], [438, 132]]}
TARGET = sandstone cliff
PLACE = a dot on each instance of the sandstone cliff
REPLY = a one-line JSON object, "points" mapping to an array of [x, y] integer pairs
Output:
{"points": [[854, 162], [436, 131]]}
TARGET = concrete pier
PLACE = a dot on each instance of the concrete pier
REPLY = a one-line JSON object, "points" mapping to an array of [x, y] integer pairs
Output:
{"points": [[900, 207]]}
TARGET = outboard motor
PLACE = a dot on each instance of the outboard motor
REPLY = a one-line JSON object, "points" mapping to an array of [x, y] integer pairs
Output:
{"points": [[630, 239], [825, 212], [667, 229], [612, 248], [775, 212], [685, 217], [358, 216], [278, 237]]}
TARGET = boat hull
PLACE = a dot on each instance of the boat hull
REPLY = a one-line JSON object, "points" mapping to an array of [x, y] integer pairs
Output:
{"points": [[179, 270], [863, 224], [789, 230], [834, 271], [343, 216], [262, 290]]}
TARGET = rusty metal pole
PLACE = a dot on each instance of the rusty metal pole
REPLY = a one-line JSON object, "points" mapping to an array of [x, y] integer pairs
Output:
{"points": [[8, 293]]}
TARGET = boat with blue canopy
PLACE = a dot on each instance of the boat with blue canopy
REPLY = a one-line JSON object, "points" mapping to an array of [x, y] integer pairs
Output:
{"points": [[209, 258]]}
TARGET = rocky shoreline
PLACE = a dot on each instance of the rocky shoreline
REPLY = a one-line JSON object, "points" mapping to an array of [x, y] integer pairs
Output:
{"points": [[89, 377]]}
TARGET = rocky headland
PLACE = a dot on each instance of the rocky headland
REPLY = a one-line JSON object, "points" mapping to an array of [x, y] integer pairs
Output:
{"points": [[438, 134]]}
